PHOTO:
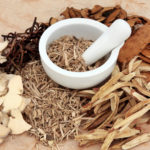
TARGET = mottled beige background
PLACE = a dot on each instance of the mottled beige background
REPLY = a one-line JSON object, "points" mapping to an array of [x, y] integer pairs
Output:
{"points": [[17, 15]]}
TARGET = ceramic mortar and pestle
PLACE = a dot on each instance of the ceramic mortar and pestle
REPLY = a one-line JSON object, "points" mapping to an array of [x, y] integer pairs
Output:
{"points": [[107, 40]]}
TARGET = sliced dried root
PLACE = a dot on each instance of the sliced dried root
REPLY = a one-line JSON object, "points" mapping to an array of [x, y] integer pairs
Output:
{"points": [[107, 142], [13, 102], [118, 105], [17, 123], [133, 117], [137, 141]]}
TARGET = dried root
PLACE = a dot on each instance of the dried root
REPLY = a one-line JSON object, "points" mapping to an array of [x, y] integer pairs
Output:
{"points": [[115, 108]]}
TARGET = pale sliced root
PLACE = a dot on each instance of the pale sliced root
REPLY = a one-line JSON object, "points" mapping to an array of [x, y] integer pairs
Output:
{"points": [[128, 77], [107, 142], [138, 140], [94, 135], [111, 82], [114, 106], [141, 89], [131, 63], [128, 132], [136, 108], [133, 117]]}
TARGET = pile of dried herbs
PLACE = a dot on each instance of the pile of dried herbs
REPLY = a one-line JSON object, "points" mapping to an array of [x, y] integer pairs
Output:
{"points": [[54, 111], [23, 47], [66, 52]]}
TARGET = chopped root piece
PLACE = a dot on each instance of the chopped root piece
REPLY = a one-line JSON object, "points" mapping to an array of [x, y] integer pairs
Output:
{"points": [[133, 117], [17, 123], [128, 132], [107, 142], [96, 134], [136, 108], [4, 131], [137, 141]]}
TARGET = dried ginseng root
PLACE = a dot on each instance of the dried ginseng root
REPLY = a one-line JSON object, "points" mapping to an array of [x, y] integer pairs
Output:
{"points": [[12, 104], [116, 107]]}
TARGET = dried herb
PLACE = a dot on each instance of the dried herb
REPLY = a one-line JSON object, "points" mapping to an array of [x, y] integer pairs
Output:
{"points": [[54, 111], [23, 47], [116, 106], [66, 53]]}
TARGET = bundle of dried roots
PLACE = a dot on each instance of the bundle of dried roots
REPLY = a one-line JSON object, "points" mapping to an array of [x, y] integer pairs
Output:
{"points": [[115, 108]]}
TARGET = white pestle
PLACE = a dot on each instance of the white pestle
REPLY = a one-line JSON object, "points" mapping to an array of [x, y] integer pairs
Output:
{"points": [[116, 34]]}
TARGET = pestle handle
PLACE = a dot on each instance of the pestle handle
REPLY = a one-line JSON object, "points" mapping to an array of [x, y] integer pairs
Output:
{"points": [[116, 34]]}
